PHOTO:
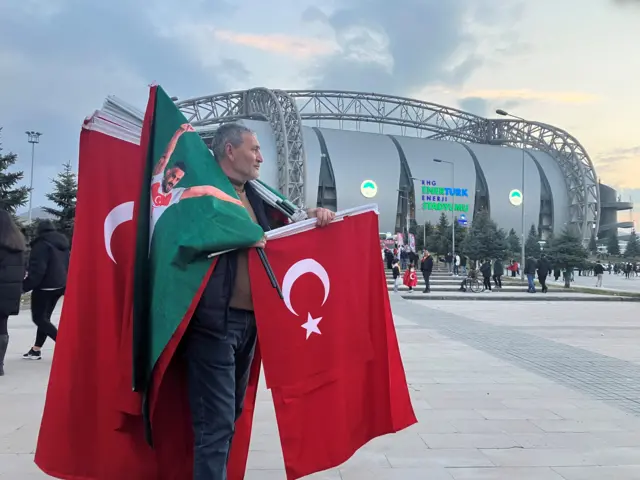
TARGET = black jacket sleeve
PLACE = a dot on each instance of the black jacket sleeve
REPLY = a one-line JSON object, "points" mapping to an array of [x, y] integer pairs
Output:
{"points": [[38, 260]]}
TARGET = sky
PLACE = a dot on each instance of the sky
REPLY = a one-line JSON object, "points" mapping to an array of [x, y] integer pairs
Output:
{"points": [[569, 63]]}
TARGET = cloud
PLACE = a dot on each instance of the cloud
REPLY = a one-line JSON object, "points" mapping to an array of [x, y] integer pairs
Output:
{"points": [[61, 58], [396, 49], [535, 95], [477, 106], [300, 47], [620, 167]]}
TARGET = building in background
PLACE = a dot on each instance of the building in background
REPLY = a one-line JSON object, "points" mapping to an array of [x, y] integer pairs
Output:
{"points": [[423, 160]]}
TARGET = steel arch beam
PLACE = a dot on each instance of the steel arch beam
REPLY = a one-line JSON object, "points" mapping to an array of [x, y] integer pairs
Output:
{"points": [[274, 106], [285, 111]]}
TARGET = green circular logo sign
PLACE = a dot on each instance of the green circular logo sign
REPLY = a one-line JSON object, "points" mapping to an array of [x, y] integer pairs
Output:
{"points": [[368, 189], [515, 197]]}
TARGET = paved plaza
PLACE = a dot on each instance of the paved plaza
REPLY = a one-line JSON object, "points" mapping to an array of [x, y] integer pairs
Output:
{"points": [[528, 390]]}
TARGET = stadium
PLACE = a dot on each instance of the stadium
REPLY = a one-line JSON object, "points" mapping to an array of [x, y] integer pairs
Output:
{"points": [[341, 149]]}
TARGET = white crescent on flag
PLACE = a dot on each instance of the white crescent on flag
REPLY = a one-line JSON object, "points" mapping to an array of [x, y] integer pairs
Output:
{"points": [[117, 216]]}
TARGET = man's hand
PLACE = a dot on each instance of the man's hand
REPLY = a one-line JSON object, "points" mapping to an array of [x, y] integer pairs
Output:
{"points": [[186, 127], [324, 216], [260, 243]]}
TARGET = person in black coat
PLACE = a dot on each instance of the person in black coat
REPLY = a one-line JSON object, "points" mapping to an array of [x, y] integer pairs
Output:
{"points": [[544, 266], [485, 269], [498, 271], [47, 277], [426, 266], [12, 247]]}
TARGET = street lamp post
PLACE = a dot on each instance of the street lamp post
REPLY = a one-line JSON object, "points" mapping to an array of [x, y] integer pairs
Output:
{"points": [[424, 226], [32, 138], [522, 259], [453, 204]]}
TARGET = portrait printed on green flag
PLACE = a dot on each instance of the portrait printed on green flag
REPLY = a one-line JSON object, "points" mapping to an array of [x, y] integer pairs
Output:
{"points": [[193, 212], [165, 178]]}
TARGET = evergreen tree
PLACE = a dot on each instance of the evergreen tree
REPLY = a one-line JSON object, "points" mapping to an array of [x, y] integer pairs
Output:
{"points": [[440, 239], [633, 246], [484, 240], [613, 244], [593, 246], [65, 190], [12, 197], [461, 234], [531, 246], [566, 252], [514, 246], [426, 228]]}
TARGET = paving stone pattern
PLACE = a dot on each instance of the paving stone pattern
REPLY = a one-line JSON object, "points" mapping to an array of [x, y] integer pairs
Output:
{"points": [[605, 378]]}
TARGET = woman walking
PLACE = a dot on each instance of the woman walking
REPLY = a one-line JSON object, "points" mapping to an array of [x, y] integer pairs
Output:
{"points": [[47, 277], [12, 247]]}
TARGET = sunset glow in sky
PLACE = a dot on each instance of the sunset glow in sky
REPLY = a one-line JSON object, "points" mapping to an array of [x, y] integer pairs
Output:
{"points": [[569, 63]]}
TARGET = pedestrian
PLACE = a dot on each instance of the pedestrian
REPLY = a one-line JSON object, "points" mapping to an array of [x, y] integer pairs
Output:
{"points": [[498, 271], [530, 272], [396, 275], [46, 280], [598, 269], [544, 267], [12, 248], [410, 278], [485, 269], [426, 266], [220, 342]]}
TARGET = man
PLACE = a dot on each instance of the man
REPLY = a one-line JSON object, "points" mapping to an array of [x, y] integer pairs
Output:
{"points": [[598, 269], [164, 192], [544, 266], [427, 267], [221, 339], [530, 265]]}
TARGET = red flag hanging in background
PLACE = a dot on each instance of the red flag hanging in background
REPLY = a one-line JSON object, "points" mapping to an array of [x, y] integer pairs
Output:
{"points": [[330, 352], [79, 435]]}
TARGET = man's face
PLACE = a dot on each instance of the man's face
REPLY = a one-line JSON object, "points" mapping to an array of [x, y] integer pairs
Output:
{"points": [[246, 158], [171, 178]]}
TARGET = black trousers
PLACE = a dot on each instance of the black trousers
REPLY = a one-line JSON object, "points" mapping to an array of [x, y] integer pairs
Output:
{"points": [[543, 282], [498, 280], [426, 276], [218, 367], [487, 283], [4, 322], [43, 302]]}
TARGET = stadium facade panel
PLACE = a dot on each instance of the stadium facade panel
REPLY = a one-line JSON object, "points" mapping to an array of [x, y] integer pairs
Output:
{"points": [[339, 161]]}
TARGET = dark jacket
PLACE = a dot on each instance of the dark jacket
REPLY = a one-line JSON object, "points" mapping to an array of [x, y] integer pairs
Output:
{"points": [[212, 310], [485, 269], [598, 269], [396, 271], [427, 265], [498, 268], [544, 266], [11, 277], [48, 262], [530, 266]]}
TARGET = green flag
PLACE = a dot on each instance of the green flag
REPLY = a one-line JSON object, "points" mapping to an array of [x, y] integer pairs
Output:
{"points": [[188, 210]]}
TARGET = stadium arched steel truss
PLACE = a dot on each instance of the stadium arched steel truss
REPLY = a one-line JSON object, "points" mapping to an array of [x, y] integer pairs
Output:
{"points": [[286, 110]]}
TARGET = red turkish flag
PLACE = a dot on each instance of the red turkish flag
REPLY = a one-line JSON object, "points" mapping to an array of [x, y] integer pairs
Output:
{"points": [[92, 426], [80, 435], [330, 352]]}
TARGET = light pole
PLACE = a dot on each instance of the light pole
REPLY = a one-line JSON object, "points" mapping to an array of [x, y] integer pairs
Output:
{"points": [[522, 259], [424, 225], [32, 138], [453, 204]]}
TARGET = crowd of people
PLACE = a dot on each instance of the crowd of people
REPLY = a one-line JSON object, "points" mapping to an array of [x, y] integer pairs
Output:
{"points": [[43, 272], [401, 259]]}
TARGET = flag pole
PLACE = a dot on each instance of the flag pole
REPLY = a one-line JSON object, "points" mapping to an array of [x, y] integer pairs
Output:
{"points": [[269, 270]]}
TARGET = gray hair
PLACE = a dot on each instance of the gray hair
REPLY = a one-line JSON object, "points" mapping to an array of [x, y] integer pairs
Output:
{"points": [[228, 133]]}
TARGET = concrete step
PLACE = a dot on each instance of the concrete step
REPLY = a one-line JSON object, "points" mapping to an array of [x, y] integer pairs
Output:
{"points": [[456, 288], [551, 296], [456, 281]]}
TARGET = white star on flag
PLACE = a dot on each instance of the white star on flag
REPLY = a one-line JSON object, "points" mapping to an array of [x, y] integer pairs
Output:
{"points": [[312, 325]]}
